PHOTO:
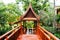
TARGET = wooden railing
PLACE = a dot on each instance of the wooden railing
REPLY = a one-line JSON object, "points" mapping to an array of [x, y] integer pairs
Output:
{"points": [[40, 31], [43, 36], [15, 34], [7, 34], [52, 37]]}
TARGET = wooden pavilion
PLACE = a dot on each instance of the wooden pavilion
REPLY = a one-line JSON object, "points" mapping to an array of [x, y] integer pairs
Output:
{"points": [[19, 33]]}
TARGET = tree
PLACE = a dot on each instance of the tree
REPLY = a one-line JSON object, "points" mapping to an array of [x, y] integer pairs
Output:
{"points": [[42, 8], [13, 12], [8, 13], [2, 16]]}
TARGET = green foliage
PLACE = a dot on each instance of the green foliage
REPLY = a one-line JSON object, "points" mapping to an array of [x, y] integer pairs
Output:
{"points": [[4, 29], [58, 18], [57, 34], [8, 13], [52, 30], [2, 16], [36, 4], [42, 8], [29, 24], [13, 12]]}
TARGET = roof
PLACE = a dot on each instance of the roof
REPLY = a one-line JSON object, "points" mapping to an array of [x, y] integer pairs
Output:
{"points": [[30, 14]]}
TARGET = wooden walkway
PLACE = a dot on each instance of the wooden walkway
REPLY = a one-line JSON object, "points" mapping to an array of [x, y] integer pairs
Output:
{"points": [[29, 37], [18, 34]]}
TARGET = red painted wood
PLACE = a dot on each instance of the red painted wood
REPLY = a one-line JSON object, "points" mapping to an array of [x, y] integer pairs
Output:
{"points": [[43, 35], [29, 37], [39, 35]]}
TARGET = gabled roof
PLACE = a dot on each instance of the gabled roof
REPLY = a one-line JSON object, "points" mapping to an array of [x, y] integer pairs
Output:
{"points": [[30, 13], [34, 15]]}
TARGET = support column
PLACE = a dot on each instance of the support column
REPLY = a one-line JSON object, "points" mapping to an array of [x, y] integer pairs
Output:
{"points": [[35, 23], [38, 23], [20, 23], [24, 25]]}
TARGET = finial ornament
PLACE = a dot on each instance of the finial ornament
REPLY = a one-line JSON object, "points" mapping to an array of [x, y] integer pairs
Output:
{"points": [[30, 5]]}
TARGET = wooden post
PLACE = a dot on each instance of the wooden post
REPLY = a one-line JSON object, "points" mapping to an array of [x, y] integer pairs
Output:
{"points": [[25, 28], [35, 23], [38, 23], [24, 23], [20, 23]]}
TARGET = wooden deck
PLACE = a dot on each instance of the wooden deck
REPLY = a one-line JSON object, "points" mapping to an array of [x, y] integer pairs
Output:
{"points": [[18, 34], [29, 37]]}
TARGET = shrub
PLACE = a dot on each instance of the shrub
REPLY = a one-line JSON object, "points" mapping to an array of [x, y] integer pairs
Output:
{"points": [[4, 29], [52, 30]]}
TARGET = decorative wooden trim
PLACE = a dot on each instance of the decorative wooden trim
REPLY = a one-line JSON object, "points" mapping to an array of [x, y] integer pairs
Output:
{"points": [[30, 7], [29, 19]]}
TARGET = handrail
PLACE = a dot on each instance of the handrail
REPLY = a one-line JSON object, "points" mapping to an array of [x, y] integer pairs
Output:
{"points": [[42, 34], [6, 34], [12, 34], [45, 35], [50, 34]]}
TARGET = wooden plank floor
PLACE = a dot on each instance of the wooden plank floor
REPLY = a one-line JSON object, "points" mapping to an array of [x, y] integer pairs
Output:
{"points": [[29, 37]]}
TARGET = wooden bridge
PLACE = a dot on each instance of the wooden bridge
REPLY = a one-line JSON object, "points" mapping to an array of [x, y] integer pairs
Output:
{"points": [[21, 32]]}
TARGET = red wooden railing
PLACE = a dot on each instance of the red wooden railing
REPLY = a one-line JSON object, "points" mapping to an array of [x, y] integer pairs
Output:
{"points": [[7, 34], [41, 32], [13, 34], [51, 36]]}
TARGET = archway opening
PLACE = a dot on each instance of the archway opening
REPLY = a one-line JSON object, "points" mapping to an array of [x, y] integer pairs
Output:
{"points": [[29, 26]]}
